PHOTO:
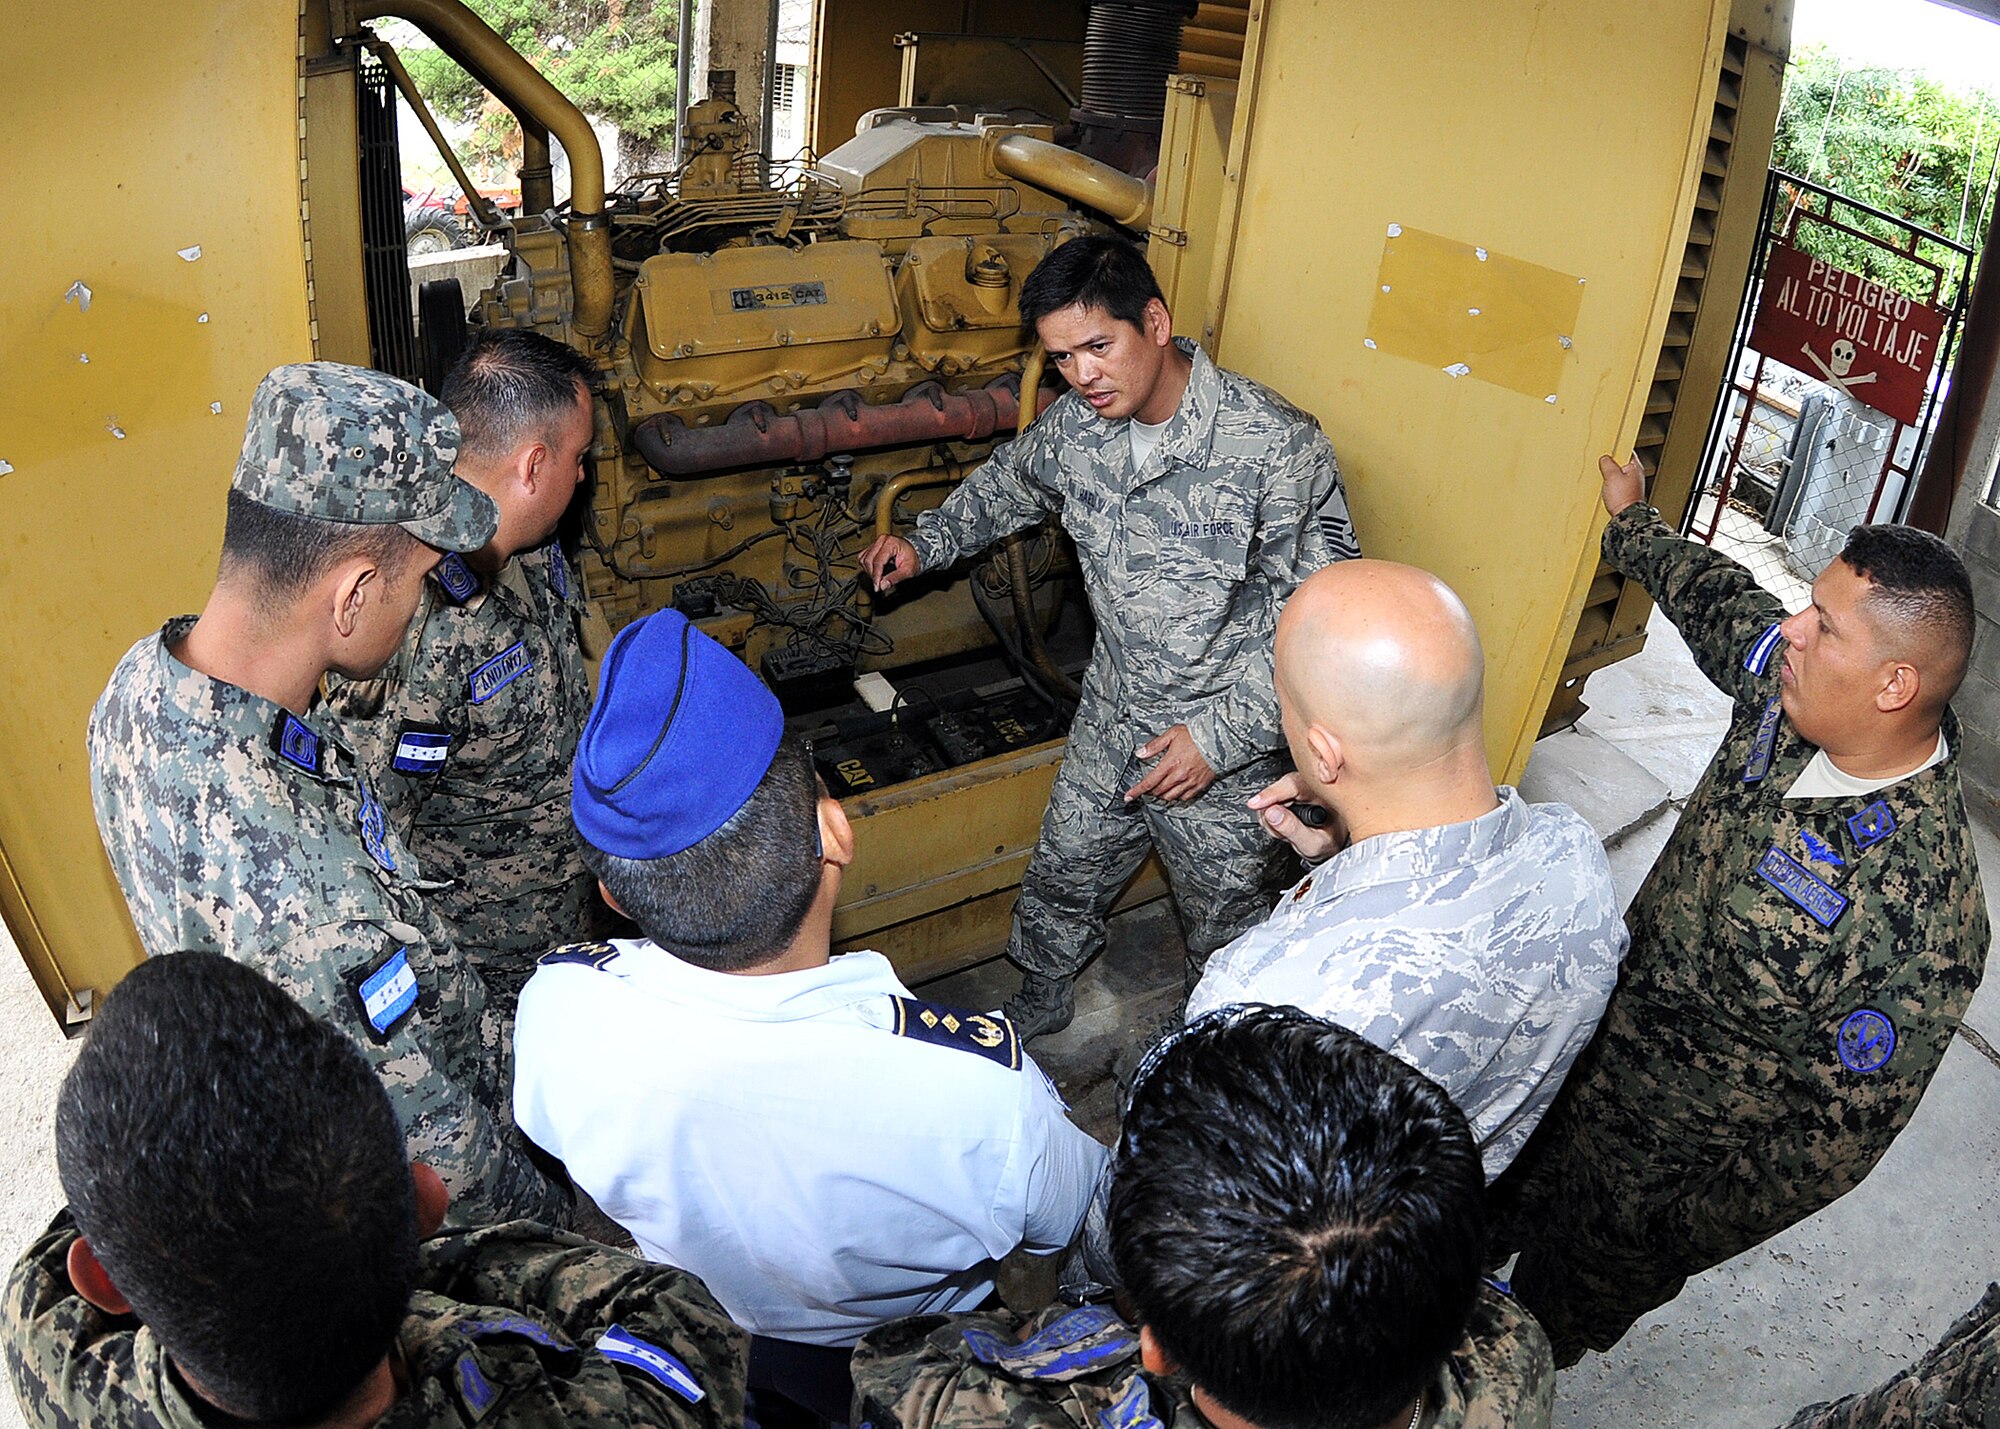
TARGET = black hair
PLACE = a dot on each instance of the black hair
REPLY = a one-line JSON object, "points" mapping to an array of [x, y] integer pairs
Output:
{"points": [[1299, 1218], [737, 898], [511, 386], [286, 553], [1092, 272], [1921, 584], [238, 1172]]}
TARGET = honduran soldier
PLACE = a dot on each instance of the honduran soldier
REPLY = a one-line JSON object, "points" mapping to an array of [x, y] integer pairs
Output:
{"points": [[1297, 1219], [1801, 952], [1197, 500], [238, 822], [242, 1246], [824, 1150], [469, 732]]}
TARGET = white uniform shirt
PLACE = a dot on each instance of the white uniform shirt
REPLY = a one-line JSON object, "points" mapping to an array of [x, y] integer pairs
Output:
{"points": [[1482, 953], [775, 1136]]}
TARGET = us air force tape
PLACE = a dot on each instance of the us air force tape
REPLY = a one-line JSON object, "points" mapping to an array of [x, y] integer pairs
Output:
{"points": [[985, 1034]]}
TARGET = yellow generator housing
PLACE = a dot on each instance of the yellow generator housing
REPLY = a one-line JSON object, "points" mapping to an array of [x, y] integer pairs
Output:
{"points": [[1481, 246]]}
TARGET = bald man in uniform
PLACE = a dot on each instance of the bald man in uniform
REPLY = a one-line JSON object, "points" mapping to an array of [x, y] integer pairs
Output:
{"points": [[1474, 935]]}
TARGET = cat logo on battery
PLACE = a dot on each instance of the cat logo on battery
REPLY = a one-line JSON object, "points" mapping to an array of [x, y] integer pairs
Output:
{"points": [[1009, 729], [855, 773]]}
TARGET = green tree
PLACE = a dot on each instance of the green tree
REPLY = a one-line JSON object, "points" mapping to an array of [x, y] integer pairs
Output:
{"points": [[1898, 141], [614, 59]]}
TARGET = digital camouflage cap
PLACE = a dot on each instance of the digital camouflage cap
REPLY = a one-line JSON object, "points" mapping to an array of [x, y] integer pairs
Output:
{"points": [[340, 443]]}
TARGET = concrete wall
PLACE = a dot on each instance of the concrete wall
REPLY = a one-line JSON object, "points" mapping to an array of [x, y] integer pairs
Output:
{"points": [[1975, 530]]}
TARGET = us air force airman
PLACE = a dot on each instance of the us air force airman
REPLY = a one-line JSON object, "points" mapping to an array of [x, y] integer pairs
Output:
{"points": [[1803, 949], [238, 822], [468, 733], [1197, 500]]}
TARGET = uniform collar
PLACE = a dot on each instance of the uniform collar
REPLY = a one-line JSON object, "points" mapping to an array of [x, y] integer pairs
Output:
{"points": [[296, 742], [779, 997], [1190, 432], [1415, 854]]}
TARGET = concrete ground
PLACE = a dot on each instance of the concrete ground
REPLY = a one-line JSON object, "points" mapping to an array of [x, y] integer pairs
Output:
{"points": [[1836, 1304]]}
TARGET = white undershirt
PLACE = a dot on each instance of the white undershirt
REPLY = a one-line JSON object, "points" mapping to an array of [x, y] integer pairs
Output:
{"points": [[1145, 436], [1820, 779]]}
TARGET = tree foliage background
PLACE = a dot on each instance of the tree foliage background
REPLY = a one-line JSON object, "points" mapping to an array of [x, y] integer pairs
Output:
{"points": [[1894, 139], [613, 58]]}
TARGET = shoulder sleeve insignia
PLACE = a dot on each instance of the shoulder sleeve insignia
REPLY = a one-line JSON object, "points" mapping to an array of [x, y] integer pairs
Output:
{"points": [[298, 745], [988, 1034], [1088, 1338], [1759, 658], [499, 672], [455, 578], [387, 991], [558, 569], [1866, 1040], [622, 1347], [421, 749], [1871, 825], [593, 955]]}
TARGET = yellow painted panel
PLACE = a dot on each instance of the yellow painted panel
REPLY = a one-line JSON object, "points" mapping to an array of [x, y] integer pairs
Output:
{"points": [[1564, 135], [1470, 312], [153, 153]]}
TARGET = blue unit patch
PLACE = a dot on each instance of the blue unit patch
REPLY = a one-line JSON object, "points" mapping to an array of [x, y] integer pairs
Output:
{"points": [[1079, 1340], [298, 745], [1871, 825], [455, 578], [1134, 1409], [421, 749], [474, 1387], [1759, 763], [387, 992], [375, 830], [1789, 877], [615, 1344], [987, 1034], [499, 672], [1866, 1040], [1819, 852], [594, 955], [558, 570], [1759, 658]]}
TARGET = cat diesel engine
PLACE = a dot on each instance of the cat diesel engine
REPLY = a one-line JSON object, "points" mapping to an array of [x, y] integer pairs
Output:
{"points": [[790, 370]]}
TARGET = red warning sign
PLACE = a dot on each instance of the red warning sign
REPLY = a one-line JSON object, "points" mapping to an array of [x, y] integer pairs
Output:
{"points": [[1873, 343]]}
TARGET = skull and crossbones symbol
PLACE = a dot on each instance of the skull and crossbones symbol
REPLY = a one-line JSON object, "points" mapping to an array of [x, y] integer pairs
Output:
{"points": [[1838, 366]]}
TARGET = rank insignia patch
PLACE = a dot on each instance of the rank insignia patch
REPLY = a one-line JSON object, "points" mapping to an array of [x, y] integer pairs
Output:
{"points": [[298, 745], [387, 992], [1819, 852], [375, 830], [474, 1387], [420, 749], [988, 1034], [1871, 825], [1759, 763], [627, 1349], [499, 672], [1759, 658], [1866, 1040], [455, 578], [1790, 877], [558, 570]]}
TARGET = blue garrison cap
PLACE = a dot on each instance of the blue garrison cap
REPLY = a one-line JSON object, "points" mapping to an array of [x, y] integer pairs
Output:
{"points": [[679, 738]]}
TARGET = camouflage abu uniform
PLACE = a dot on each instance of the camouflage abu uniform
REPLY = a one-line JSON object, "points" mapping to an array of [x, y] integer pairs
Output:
{"points": [[1079, 1369], [467, 737], [237, 827], [508, 1327], [1798, 967], [1956, 1383], [1187, 562]]}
